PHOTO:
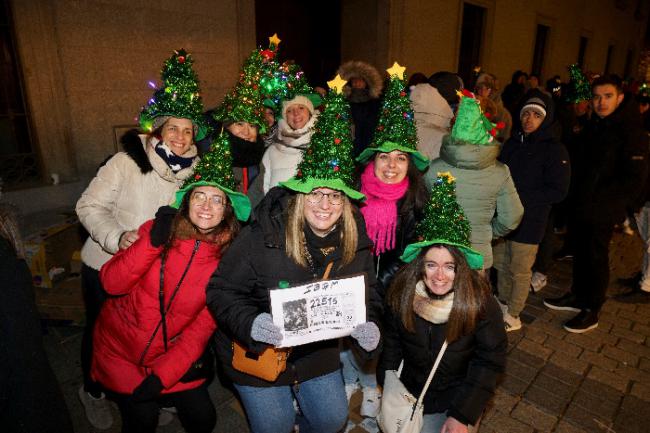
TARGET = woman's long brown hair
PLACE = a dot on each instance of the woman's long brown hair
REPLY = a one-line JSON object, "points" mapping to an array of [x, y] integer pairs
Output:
{"points": [[471, 293]]}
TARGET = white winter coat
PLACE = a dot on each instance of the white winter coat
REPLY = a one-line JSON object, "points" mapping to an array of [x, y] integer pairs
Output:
{"points": [[433, 117]]}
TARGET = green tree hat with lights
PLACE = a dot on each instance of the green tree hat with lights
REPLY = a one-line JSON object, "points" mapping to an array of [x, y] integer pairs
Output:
{"points": [[244, 103], [471, 125], [444, 222], [396, 126], [327, 162], [215, 169], [579, 88], [179, 96]]}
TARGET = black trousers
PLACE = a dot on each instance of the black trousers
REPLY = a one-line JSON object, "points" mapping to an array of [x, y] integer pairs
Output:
{"points": [[544, 258], [195, 411], [591, 263], [94, 297]]}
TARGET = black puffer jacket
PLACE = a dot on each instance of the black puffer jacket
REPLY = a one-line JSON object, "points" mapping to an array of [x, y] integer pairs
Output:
{"points": [[256, 261], [468, 372], [540, 168], [611, 165]]}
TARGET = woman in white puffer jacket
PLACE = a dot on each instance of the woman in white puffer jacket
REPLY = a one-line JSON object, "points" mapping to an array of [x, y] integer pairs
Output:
{"points": [[294, 134]]}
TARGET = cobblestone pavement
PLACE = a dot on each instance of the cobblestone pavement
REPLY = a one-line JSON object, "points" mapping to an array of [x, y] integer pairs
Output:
{"points": [[555, 381]]}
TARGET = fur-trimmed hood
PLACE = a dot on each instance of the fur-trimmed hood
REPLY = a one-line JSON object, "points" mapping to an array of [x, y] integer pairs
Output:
{"points": [[365, 71]]}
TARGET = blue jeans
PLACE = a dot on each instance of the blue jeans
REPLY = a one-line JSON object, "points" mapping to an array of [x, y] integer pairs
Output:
{"points": [[322, 402], [432, 423], [355, 369]]}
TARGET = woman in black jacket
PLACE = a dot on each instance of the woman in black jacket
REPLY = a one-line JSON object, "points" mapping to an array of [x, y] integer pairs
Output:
{"points": [[439, 296], [291, 240]]}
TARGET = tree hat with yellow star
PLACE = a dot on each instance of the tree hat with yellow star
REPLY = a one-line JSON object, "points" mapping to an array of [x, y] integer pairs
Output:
{"points": [[396, 127], [327, 162], [444, 222]]}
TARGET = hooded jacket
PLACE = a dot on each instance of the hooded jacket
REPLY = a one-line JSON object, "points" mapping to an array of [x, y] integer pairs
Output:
{"points": [[611, 165], [540, 168], [128, 324], [256, 262], [282, 157], [433, 117], [126, 192], [484, 189]]}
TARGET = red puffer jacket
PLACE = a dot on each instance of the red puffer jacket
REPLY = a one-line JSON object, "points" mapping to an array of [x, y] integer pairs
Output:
{"points": [[127, 322]]}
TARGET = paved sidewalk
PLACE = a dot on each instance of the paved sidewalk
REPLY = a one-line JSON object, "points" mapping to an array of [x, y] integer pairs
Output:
{"points": [[555, 381]]}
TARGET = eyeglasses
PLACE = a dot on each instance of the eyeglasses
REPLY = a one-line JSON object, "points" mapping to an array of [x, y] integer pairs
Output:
{"points": [[335, 198], [200, 198]]}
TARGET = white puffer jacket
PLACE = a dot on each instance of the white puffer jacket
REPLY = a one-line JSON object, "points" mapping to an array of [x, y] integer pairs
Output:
{"points": [[281, 159], [432, 116], [126, 192]]}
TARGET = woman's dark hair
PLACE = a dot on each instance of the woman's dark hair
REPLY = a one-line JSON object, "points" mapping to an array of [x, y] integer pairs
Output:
{"points": [[416, 196], [223, 234], [471, 293]]}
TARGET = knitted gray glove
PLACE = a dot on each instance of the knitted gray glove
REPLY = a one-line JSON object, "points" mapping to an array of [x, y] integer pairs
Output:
{"points": [[265, 331], [367, 335]]}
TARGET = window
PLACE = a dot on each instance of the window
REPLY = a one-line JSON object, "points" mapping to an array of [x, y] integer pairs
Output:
{"points": [[470, 40], [582, 51], [541, 38], [18, 162], [627, 72]]}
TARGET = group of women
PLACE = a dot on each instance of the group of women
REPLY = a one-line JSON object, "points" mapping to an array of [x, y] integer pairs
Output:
{"points": [[171, 279]]}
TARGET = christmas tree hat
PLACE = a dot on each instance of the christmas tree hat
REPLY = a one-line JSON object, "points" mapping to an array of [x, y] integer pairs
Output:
{"points": [[396, 127], [471, 126], [244, 102], [282, 82], [579, 88], [327, 162], [444, 222], [179, 96], [215, 169]]}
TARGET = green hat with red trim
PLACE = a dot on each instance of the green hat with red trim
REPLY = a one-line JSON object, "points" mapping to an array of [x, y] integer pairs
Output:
{"points": [[215, 169], [179, 96], [396, 126], [327, 162], [444, 222], [471, 125]]}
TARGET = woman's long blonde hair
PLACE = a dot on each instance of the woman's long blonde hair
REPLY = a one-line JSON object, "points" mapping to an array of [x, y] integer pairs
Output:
{"points": [[295, 231], [9, 230]]}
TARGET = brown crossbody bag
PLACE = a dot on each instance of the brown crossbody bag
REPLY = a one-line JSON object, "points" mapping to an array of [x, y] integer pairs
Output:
{"points": [[269, 364]]}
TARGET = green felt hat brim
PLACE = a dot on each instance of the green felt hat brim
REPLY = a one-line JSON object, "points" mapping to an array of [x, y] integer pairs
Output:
{"points": [[201, 128], [474, 258], [307, 185], [240, 202], [420, 161]]}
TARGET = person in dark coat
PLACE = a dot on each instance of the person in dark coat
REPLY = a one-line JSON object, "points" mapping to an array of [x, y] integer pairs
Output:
{"points": [[441, 297], [514, 92], [31, 400], [611, 164], [540, 168]]}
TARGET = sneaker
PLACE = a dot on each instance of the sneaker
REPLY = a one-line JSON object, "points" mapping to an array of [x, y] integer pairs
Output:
{"points": [[584, 321], [371, 402], [512, 323], [563, 254], [165, 417], [537, 282], [349, 426], [98, 411], [350, 389], [634, 296], [370, 425], [566, 302]]}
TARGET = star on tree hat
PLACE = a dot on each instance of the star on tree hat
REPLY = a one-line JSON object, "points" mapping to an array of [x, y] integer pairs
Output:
{"points": [[444, 222], [579, 88], [244, 103], [215, 169], [179, 96], [396, 127], [327, 162], [471, 126]]}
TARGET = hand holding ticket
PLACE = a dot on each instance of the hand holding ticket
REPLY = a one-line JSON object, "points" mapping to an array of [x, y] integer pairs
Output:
{"points": [[321, 310]]}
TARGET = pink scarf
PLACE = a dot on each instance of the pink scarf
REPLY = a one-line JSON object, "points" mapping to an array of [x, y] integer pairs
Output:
{"points": [[380, 210]]}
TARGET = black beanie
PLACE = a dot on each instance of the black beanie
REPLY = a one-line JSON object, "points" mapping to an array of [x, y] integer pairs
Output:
{"points": [[447, 84]]}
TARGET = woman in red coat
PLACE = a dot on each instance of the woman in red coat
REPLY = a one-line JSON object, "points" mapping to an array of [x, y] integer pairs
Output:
{"points": [[144, 352]]}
